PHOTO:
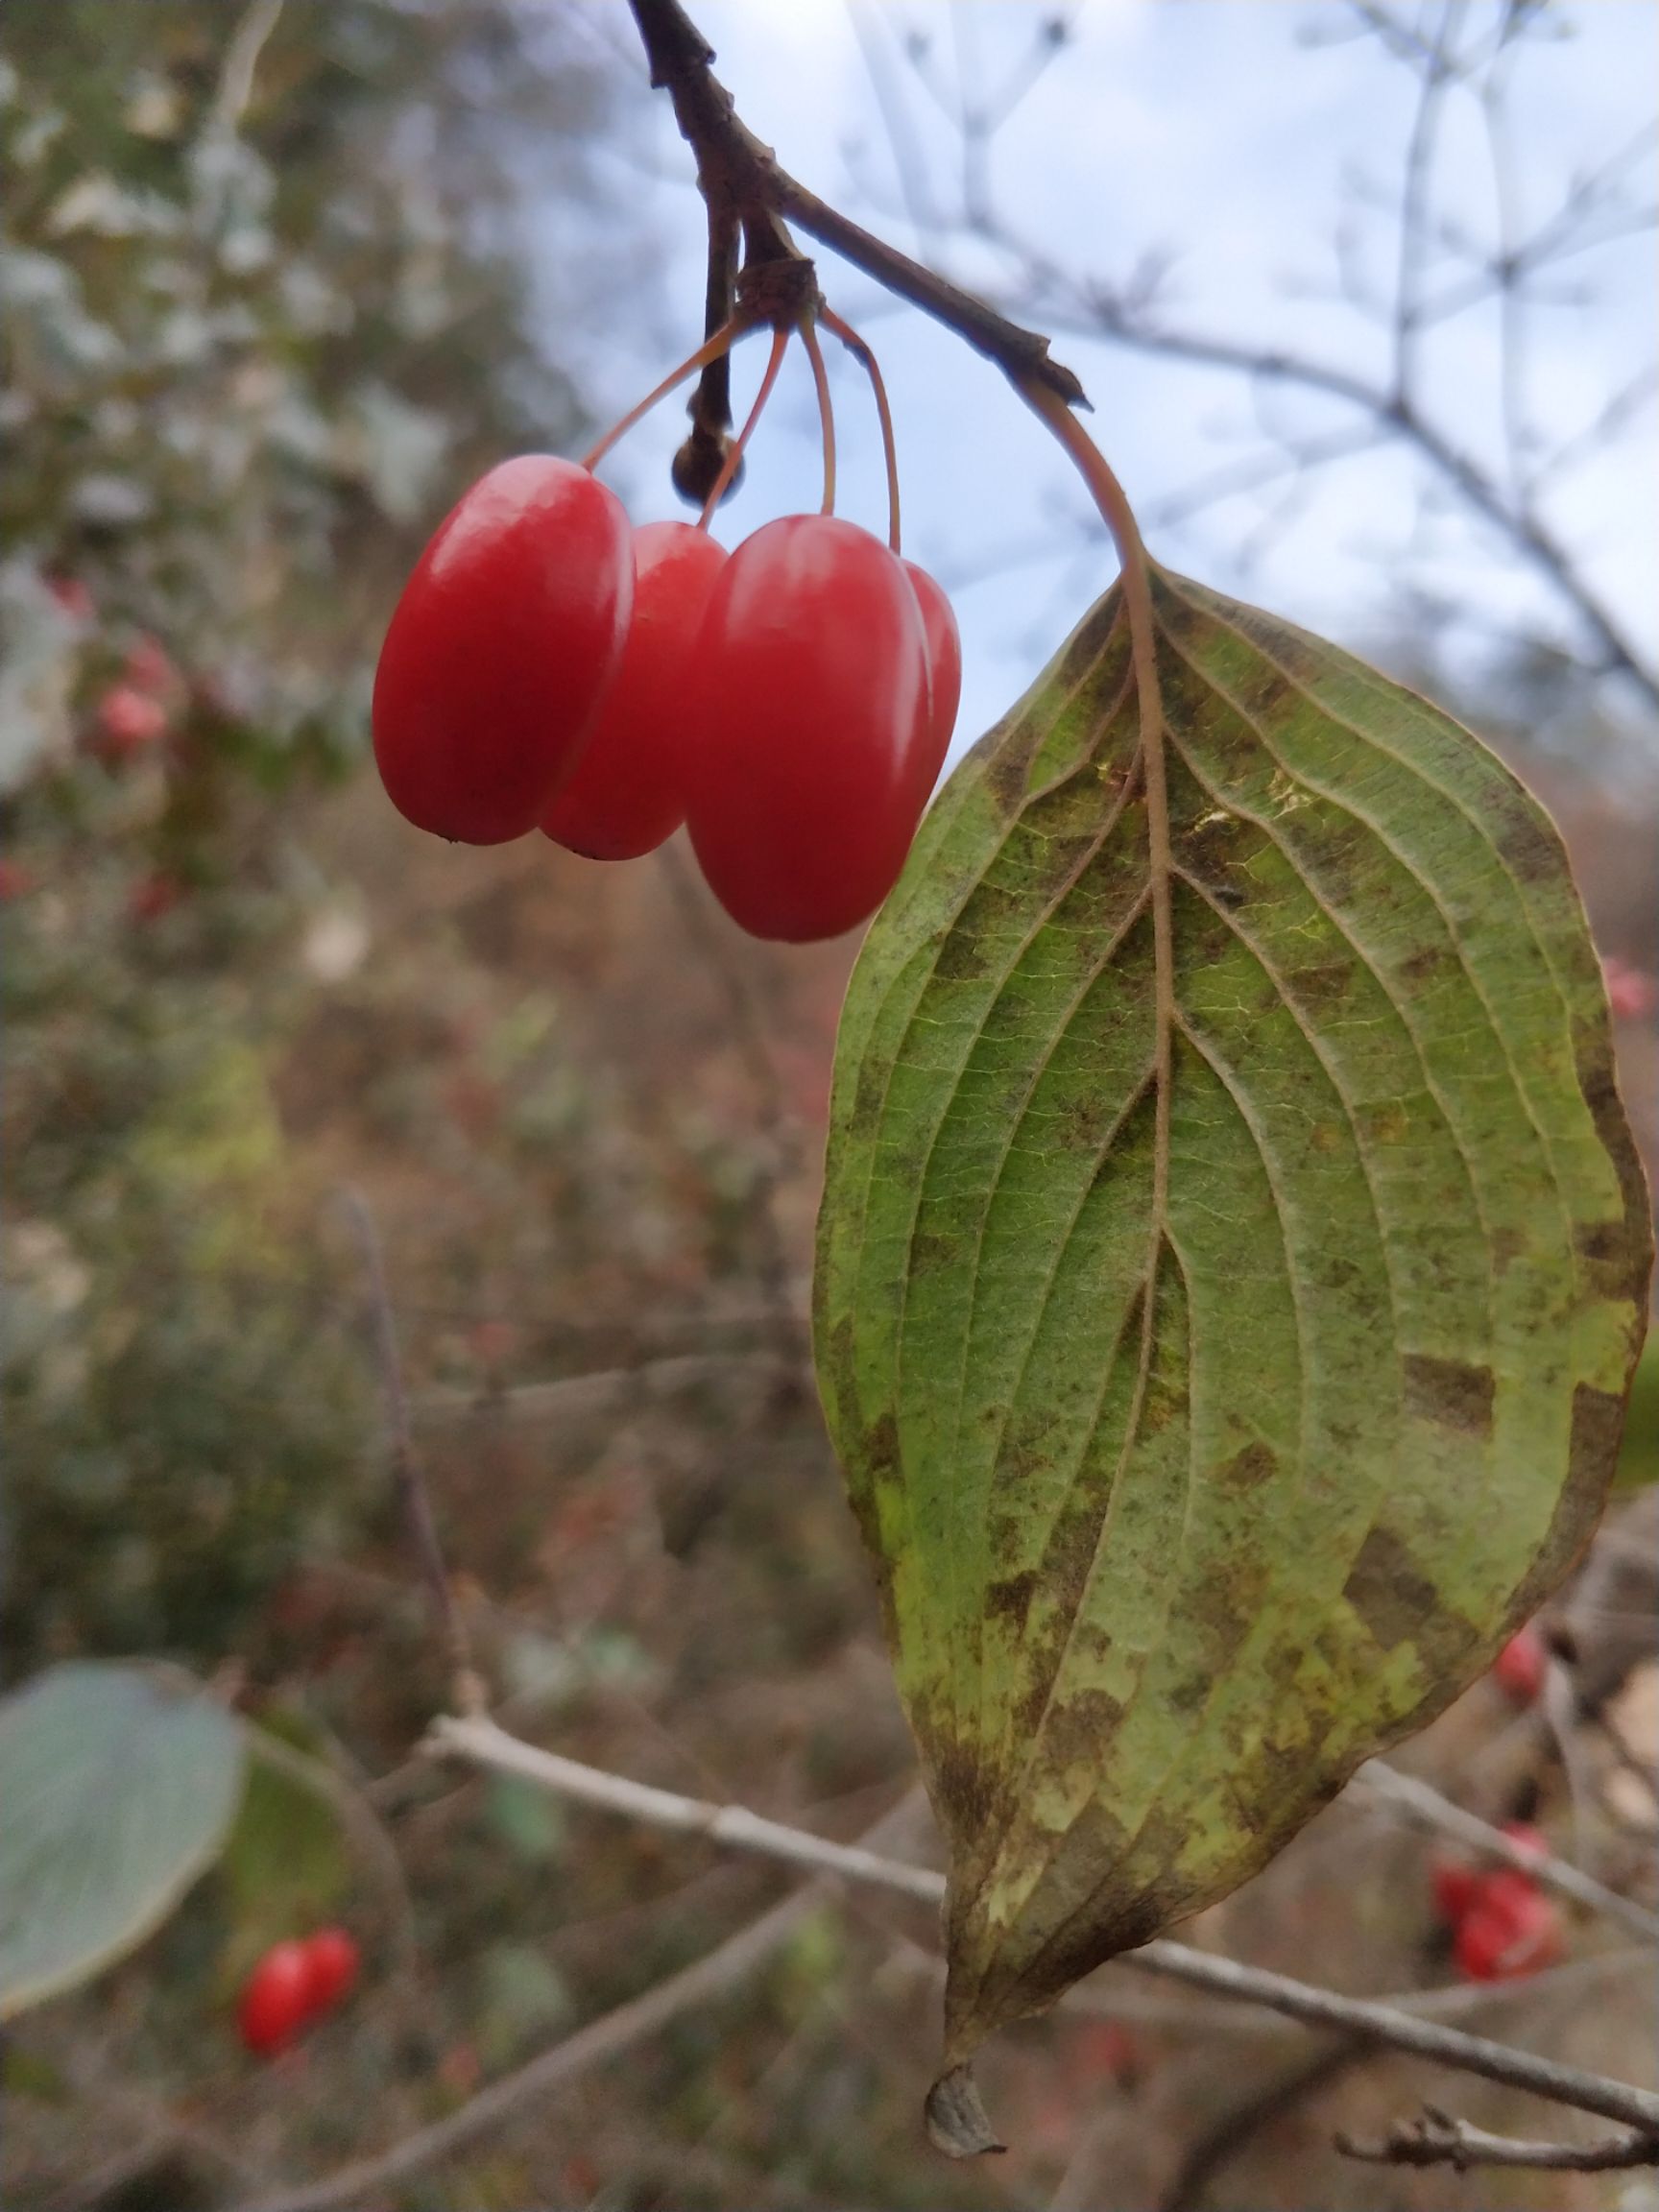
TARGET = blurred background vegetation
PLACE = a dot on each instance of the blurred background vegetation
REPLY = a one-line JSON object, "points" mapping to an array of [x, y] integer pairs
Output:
{"points": [[269, 299]]}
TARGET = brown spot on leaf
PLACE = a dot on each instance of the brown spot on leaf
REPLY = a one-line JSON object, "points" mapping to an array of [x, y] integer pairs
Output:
{"points": [[1249, 1469], [1529, 847], [962, 958], [1390, 1591], [1598, 1425], [930, 1251], [1010, 1600], [1321, 985], [1506, 1248], [1424, 964], [1600, 1239], [1450, 1392]]}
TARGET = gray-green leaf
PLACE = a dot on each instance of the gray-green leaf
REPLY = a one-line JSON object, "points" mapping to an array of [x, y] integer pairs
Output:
{"points": [[115, 1792], [1211, 1429]]}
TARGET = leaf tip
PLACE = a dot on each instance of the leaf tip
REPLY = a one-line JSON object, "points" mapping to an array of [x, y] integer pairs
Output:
{"points": [[957, 2122]]}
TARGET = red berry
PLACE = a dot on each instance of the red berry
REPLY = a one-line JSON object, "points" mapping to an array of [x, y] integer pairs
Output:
{"points": [[1631, 994], [506, 639], [629, 791], [332, 1961], [15, 879], [127, 721], [809, 707], [1511, 1929], [148, 668], [1521, 1667], [1455, 1883], [73, 596], [154, 896], [275, 1999], [943, 668]]}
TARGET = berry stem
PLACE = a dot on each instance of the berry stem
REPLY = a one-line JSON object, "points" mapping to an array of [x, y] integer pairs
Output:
{"points": [[825, 413], [728, 466], [722, 341], [861, 352]]}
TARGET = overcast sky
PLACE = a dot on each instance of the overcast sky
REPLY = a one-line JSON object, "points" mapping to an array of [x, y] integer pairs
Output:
{"points": [[1214, 131]]}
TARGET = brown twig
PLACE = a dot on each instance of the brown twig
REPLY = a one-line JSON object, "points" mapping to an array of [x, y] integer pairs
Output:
{"points": [[1440, 2139], [1415, 1801], [479, 1739], [1123, 315], [1233, 2134], [734, 168], [406, 1473], [593, 2044]]}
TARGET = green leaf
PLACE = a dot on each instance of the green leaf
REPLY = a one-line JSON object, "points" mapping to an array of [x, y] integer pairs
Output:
{"points": [[286, 1865], [1212, 1426], [115, 1792], [527, 1819]]}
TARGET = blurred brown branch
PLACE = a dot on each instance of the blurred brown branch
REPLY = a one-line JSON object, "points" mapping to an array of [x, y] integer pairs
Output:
{"points": [[1392, 405], [593, 2044], [734, 165], [478, 1738], [1439, 2139]]}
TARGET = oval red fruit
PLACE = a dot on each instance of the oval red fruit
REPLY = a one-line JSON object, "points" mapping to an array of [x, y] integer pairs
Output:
{"points": [[1520, 1667], [944, 668], [501, 649], [1455, 1884], [275, 1999], [332, 1961], [810, 710], [1511, 1929], [629, 791]]}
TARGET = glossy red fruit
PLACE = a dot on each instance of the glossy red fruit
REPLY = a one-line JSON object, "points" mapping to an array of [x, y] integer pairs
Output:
{"points": [[809, 726], [629, 791], [501, 649], [1511, 1929], [1520, 1667], [1455, 1883], [275, 1999], [332, 1961], [943, 668]]}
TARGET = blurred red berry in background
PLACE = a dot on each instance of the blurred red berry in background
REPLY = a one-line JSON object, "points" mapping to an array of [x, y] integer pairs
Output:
{"points": [[1520, 1667]]}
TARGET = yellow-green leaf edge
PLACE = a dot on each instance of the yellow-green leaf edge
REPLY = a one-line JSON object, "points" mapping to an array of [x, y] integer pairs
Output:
{"points": [[1404, 1272]]}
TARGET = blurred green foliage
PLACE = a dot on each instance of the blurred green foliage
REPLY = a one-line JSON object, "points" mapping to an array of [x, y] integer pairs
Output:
{"points": [[263, 312]]}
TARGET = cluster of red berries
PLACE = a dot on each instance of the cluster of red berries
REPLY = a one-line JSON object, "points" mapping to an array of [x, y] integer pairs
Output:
{"points": [[294, 1985], [791, 702], [1502, 1925]]}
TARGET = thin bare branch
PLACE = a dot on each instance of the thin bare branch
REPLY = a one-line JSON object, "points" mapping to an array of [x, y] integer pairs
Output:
{"points": [[477, 1738], [1438, 72], [594, 2044], [1439, 2139], [1417, 1802], [1096, 314], [767, 196], [600, 2040], [406, 1473]]}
